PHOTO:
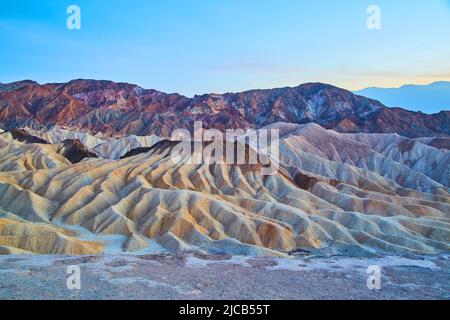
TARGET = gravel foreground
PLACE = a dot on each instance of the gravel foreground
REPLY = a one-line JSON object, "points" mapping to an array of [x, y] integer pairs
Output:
{"points": [[197, 277]]}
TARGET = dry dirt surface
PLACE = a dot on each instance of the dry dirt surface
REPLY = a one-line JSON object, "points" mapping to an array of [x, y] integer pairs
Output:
{"points": [[194, 276]]}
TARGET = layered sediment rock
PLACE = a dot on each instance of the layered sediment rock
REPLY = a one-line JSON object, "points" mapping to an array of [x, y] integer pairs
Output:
{"points": [[356, 194]]}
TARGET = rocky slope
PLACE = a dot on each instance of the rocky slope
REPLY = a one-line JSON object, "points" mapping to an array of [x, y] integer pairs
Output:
{"points": [[102, 147], [354, 194], [124, 109], [18, 156], [19, 236], [355, 158]]}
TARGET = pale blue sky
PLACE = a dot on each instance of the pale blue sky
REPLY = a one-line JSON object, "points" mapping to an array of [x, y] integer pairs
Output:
{"points": [[199, 46]]}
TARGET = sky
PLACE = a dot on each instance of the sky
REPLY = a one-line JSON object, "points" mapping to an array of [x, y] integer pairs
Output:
{"points": [[203, 46]]}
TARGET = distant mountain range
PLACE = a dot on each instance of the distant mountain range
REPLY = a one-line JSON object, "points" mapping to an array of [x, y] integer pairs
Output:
{"points": [[430, 98], [125, 109]]}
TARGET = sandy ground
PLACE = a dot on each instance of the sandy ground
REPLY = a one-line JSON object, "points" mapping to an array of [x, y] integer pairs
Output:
{"points": [[165, 276]]}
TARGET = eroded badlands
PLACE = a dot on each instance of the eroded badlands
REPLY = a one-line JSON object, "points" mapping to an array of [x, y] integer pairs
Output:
{"points": [[355, 194]]}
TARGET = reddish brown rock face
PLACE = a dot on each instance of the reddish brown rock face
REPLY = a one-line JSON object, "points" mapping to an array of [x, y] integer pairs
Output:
{"points": [[124, 109]]}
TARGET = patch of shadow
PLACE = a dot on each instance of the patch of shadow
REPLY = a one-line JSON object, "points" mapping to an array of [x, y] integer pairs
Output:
{"points": [[23, 136], [307, 182], [300, 252], [135, 152], [12, 260], [155, 149], [262, 263], [8, 286], [165, 258], [78, 260], [406, 145], [213, 257], [75, 151], [117, 263], [440, 143]]}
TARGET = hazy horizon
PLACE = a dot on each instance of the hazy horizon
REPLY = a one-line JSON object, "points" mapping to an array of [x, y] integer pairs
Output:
{"points": [[225, 92]]}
